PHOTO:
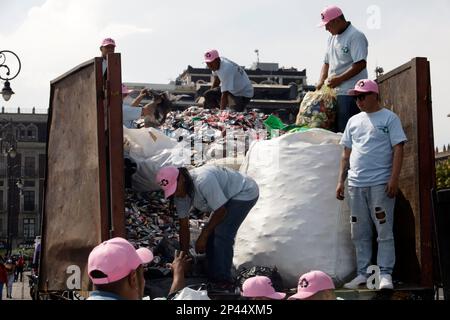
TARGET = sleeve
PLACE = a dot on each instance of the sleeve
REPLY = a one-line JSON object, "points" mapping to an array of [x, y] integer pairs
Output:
{"points": [[183, 206], [359, 47], [213, 193], [227, 81], [131, 113], [396, 133], [326, 59], [346, 140]]}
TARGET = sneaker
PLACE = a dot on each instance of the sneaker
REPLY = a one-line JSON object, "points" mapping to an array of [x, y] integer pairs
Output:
{"points": [[356, 283], [386, 282]]}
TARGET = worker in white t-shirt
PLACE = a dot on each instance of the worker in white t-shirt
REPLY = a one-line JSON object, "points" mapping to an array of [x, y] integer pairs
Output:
{"points": [[235, 91], [108, 46], [131, 108], [345, 62]]}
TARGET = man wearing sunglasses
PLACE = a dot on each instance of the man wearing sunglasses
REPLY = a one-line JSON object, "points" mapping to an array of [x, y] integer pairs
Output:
{"points": [[372, 159], [345, 62]]}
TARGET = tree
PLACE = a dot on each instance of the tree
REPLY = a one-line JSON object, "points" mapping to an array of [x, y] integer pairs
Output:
{"points": [[443, 174]]}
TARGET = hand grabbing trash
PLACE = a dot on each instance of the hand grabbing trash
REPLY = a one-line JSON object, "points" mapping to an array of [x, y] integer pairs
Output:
{"points": [[180, 264]]}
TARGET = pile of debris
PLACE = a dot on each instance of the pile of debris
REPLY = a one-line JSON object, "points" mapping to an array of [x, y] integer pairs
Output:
{"points": [[215, 119], [151, 222], [221, 134]]}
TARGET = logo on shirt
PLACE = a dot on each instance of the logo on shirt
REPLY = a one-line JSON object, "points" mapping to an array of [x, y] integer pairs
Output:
{"points": [[383, 129], [345, 50]]}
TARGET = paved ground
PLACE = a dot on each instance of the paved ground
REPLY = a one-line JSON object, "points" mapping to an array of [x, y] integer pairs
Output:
{"points": [[21, 290]]}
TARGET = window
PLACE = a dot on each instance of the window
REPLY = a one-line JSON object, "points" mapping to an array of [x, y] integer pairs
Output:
{"points": [[29, 184], [32, 132], [29, 228], [2, 165], [28, 201], [30, 166]]}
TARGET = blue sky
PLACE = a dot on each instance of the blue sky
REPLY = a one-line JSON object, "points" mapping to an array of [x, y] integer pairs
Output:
{"points": [[159, 39]]}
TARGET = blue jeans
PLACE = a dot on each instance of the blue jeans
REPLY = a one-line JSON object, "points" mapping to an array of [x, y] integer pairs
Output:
{"points": [[346, 108], [371, 206], [219, 250], [1, 290]]}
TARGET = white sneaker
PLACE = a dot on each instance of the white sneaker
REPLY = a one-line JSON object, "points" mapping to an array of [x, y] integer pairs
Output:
{"points": [[386, 282], [355, 283]]}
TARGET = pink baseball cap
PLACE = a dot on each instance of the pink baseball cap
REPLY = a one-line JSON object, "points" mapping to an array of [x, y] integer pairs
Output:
{"points": [[365, 86], [116, 258], [167, 179], [126, 90], [328, 14], [260, 287], [312, 283], [108, 42], [211, 55]]}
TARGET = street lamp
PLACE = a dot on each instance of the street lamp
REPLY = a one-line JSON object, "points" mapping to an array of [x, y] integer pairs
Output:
{"points": [[8, 148], [7, 92]]}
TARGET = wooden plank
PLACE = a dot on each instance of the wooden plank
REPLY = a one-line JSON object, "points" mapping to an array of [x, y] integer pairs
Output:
{"points": [[407, 92], [72, 210], [427, 171], [115, 129], [102, 143]]}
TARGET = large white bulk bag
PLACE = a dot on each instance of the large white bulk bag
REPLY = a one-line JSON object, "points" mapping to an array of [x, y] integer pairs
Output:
{"points": [[297, 225], [151, 150]]}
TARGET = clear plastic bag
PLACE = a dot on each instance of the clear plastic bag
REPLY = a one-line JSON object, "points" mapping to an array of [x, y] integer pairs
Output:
{"points": [[318, 109]]}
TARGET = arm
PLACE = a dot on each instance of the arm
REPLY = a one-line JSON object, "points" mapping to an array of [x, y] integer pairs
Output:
{"points": [[354, 70], [216, 218], [141, 96], [178, 267], [216, 82], [185, 235], [323, 75], [392, 187], [343, 172], [224, 100]]}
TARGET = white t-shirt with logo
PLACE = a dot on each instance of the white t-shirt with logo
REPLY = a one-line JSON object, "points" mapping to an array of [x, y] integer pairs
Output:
{"points": [[234, 79], [343, 51], [372, 137]]}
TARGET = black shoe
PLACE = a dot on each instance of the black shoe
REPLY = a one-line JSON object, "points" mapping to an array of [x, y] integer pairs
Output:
{"points": [[221, 288]]}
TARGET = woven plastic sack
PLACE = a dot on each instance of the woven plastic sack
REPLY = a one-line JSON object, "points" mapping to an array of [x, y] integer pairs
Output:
{"points": [[297, 224]]}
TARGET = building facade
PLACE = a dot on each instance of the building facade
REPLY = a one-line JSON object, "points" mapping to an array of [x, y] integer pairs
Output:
{"points": [[22, 173], [261, 73]]}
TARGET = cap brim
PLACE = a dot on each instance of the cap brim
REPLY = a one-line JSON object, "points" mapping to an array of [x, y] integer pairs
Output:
{"points": [[170, 191], [277, 296], [322, 24], [145, 255], [355, 92], [302, 295]]}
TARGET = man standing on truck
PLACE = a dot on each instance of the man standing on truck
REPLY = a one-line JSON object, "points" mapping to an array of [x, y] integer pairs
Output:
{"points": [[235, 91], [108, 46], [373, 155], [345, 62]]}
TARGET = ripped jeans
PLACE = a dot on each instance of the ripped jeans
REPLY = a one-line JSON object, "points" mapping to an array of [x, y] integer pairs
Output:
{"points": [[371, 206]]}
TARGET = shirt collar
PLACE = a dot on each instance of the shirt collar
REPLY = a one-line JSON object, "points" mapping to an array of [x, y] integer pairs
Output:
{"points": [[106, 295]]}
